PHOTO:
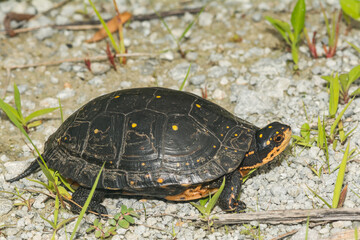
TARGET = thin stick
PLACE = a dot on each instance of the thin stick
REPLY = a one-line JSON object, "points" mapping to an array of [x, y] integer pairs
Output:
{"points": [[85, 25], [289, 216], [80, 59]]}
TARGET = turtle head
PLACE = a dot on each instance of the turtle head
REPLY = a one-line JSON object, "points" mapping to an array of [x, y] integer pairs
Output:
{"points": [[270, 142]]}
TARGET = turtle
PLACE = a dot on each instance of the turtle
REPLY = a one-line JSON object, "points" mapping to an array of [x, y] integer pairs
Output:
{"points": [[158, 142]]}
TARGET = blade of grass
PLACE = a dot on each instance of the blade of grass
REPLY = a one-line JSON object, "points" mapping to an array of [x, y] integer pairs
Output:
{"points": [[318, 196], [336, 122], [103, 23], [334, 95], [39, 113], [298, 19], [186, 77], [18, 102], [191, 24], [340, 178], [61, 111], [88, 200], [214, 199], [282, 27], [354, 74]]}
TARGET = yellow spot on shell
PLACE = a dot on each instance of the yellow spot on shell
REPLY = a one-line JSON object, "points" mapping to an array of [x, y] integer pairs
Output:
{"points": [[236, 134], [226, 148], [133, 125], [96, 131], [260, 136], [178, 164], [232, 188], [111, 162], [270, 126], [267, 142], [214, 146], [160, 180], [116, 96], [277, 132], [187, 164], [65, 138], [227, 126], [143, 164], [235, 151], [175, 127], [221, 134], [158, 96], [198, 160], [198, 105], [132, 182]]}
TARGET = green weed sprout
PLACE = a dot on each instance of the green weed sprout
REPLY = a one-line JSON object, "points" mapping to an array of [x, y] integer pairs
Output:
{"points": [[120, 220], [339, 181], [26, 122], [292, 38], [333, 33], [211, 201], [342, 85], [178, 40]]}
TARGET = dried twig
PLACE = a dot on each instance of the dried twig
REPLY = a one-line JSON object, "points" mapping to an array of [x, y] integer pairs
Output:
{"points": [[289, 216], [80, 59], [85, 25]]}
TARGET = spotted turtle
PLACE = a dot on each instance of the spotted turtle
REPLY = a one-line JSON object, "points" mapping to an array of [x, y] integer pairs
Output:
{"points": [[161, 143]]}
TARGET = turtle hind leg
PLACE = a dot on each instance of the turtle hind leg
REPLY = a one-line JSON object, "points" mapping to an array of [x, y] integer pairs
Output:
{"points": [[228, 197], [32, 168], [80, 196]]}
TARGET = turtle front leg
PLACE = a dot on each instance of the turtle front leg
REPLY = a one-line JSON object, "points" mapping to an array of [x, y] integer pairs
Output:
{"points": [[80, 196], [227, 200]]}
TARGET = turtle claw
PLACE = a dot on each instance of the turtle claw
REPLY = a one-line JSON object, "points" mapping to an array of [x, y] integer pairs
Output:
{"points": [[241, 206]]}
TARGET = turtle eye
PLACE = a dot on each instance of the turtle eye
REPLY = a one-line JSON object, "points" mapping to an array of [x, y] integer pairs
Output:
{"points": [[279, 138]]}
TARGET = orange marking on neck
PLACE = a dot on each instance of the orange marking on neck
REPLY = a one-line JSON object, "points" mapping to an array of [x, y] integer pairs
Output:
{"points": [[271, 155]]}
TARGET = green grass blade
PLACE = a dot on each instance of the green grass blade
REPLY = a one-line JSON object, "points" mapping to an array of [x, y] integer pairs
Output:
{"points": [[88, 200], [318, 196], [14, 112], [351, 8], [298, 19], [47, 172], [39, 113], [295, 54], [186, 77], [282, 27], [49, 222], [17, 101], [103, 23], [321, 135], [166, 26], [214, 199], [327, 78], [336, 122], [354, 46], [334, 96], [201, 209], [355, 93], [354, 74], [190, 25], [340, 178]]}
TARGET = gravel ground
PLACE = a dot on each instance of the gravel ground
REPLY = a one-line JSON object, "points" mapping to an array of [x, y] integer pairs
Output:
{"points": [[252, 78]]}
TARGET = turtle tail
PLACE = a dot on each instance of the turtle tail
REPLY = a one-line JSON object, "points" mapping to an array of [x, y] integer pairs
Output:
{"points": [[32, 168]]}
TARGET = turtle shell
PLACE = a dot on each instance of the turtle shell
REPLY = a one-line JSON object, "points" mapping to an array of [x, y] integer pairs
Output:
{"points": [[148, 137]]}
